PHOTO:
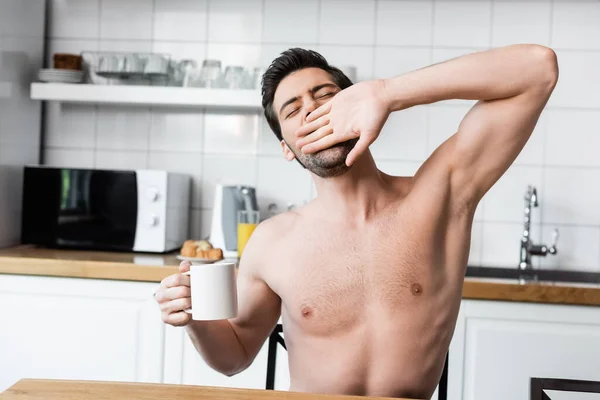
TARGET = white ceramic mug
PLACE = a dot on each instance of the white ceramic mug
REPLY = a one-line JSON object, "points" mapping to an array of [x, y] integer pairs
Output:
{"points": [[214, 291]]}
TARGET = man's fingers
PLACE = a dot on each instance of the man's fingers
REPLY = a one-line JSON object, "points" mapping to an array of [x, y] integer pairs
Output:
{"points": [[176, 305], [319, 112], [176, 319], [312, 126], [174, 293], [176, 280], [359, 148], [322, 144], [184, 266], [316, 135]]}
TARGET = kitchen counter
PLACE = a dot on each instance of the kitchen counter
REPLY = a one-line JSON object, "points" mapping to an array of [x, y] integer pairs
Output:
{"points": [[93, 390], [28, 260]]}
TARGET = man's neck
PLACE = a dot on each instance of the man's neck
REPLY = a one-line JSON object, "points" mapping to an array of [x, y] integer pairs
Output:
{"points": [[355, 195]]}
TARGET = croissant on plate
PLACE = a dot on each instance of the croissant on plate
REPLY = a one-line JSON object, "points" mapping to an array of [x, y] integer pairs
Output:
{"points": [[201, 249]]}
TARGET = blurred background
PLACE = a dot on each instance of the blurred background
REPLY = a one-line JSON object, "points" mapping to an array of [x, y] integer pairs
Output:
{"points": [[222, 137]]}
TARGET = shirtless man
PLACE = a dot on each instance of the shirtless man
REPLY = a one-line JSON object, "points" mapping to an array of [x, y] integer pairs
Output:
{"points": [[368, 276]]}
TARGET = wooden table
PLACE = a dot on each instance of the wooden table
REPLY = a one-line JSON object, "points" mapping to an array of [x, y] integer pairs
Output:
{"points": [[93, 390]]}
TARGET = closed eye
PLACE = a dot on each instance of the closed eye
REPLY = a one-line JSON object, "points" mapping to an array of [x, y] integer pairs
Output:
{"points": [[325, 95], [294, 111]]}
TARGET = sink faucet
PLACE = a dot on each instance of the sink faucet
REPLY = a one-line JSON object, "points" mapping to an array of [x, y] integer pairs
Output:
{"points": [[529, 249]]}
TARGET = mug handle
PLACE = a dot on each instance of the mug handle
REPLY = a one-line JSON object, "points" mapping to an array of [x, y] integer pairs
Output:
{"points": [[187, 310]]}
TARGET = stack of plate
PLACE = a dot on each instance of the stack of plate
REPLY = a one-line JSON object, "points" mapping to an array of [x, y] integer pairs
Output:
{"points": [[60, 75]]}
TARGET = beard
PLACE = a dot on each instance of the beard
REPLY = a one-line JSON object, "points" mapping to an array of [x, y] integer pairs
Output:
{"points": [[327, 163]]}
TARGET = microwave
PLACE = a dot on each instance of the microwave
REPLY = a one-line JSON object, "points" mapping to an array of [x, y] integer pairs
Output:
{"points": [[115, 210]]}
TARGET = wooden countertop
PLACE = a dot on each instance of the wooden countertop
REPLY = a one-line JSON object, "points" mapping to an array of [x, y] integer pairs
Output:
{"points": [[91, 390], [27, 260], [30, 260]]}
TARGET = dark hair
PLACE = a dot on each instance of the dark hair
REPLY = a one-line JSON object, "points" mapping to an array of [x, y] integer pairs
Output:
{"points": [[290, 61]]}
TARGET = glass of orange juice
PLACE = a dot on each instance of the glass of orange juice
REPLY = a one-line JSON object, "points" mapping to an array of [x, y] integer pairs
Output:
{"points": [[247, 222]]}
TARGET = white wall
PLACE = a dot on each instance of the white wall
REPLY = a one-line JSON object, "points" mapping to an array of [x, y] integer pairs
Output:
{"points": [[382, 38], [21, 53]]}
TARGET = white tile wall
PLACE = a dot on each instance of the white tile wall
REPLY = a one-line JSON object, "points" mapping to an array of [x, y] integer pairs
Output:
{"points": [[176, 130], [579, 82], [131, 19], [572, 137], [393, 61], [123, 129], [347, 22], [115, 159], [74, 19], [404, 23], [69, 158], [70, 125], [576, 25], [523, 22], [404, 136], [235, 21], [280, 28], [180, 20], [381, 38], [572, 196], [230, 133], [462, 23]]}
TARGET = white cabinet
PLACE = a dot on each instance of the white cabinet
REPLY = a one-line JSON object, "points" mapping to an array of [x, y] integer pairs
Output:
{"points": [[184, 365], [498, 346], [66, 328]]}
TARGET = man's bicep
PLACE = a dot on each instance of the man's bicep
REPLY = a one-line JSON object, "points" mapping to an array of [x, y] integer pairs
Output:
{"points": [[489, 139], [258, 306]]}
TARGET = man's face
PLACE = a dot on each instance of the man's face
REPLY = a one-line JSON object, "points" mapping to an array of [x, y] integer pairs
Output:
{"points": [[297, 95]]}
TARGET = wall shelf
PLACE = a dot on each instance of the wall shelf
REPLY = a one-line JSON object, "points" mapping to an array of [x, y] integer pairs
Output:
{"points": [[147, 95]]}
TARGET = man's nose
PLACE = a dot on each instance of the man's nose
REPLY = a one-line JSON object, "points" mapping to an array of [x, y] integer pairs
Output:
{"points": [[310, 106]]}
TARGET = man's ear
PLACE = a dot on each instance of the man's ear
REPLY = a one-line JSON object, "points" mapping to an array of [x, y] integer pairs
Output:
{"points": [[287, 153]]}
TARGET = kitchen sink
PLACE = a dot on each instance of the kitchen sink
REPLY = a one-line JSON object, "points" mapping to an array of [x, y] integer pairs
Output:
{"points": [[541, 275]]}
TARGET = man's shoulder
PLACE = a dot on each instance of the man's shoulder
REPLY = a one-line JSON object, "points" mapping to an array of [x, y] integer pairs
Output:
{"points": [[277, 225], [266, 243], [272, 230]]}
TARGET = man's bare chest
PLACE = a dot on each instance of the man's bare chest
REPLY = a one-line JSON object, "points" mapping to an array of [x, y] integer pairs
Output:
{"points": [[334, 281]]}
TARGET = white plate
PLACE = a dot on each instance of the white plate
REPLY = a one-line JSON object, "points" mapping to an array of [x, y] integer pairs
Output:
{"points": [[60, 79], [60, 74], [196, 260], [59, 71]]}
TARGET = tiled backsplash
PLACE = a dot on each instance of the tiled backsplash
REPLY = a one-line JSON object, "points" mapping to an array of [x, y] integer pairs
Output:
{"points": [[381, 38]]}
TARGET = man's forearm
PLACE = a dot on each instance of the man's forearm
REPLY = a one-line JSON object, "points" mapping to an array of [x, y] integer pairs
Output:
{"points": [[488, 75], [218, 344]]}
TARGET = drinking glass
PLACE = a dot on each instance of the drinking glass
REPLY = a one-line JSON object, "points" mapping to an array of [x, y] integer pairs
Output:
{"points": [[210, 73], [247, 222], [235, 77]]}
